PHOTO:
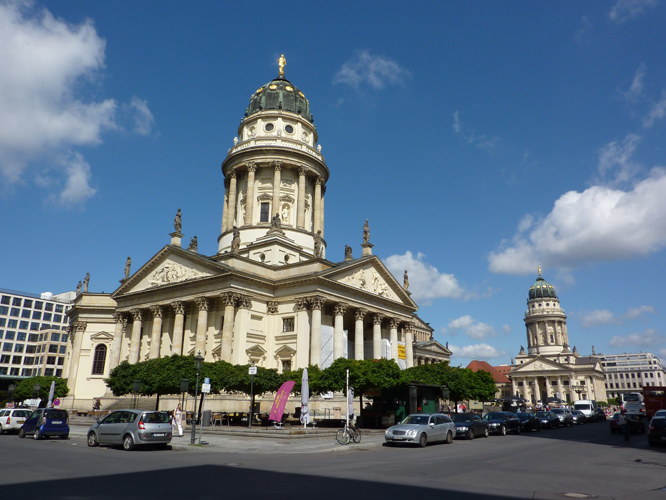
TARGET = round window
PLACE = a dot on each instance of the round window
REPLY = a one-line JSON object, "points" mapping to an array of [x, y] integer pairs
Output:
{"points": [[269, 127], [289, 129]]}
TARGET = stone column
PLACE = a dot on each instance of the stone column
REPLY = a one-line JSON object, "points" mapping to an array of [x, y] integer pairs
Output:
{"points": [[559, 387], [321, 212], [202, 325], [229, 300], [251, 198], [409, 347], [317, 205], [359, 315], [231, 208], [302, 334], [338, 327], [78, 329], [225, 205], [277, 165], [156, 334], [179, 321], [393, 337], [514, 387], [537, 391], [377, 336], [121, 327], [317, 303], [241, 326], [300, 217], [135, 342]]}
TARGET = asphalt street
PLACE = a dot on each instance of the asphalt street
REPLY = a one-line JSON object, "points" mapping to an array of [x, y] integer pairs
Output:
{"points": [[579, 462]]}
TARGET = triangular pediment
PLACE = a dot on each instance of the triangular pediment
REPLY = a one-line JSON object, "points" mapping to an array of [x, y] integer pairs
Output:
{"points": [[432, 346], [170, 266], [371, 276], [102, 337], [539, 364]]}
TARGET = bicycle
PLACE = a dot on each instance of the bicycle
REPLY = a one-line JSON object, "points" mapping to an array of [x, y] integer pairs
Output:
{"points": [[349, 433]]}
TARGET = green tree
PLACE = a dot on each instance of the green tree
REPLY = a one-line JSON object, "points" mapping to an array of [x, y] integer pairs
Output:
{"points": [[483, 386], [25, 389]]}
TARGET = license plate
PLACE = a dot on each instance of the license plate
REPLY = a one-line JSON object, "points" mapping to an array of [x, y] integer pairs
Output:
{"points": [[159, 434], [54, 422]]}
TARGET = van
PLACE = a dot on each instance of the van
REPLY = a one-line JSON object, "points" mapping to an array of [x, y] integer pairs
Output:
{"points": [[45, 422], [588, 407]]}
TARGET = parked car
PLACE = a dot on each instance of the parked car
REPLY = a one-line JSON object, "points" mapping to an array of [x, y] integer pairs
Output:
{"points": [[588, 407], [548, 419], [421, 428], [46, 422], [131, 428], [501, 422], [600, 414], [657, 429], [578, 417], [636, 425], [11, 419], [528, 422], [470, 425], [565, 416]]}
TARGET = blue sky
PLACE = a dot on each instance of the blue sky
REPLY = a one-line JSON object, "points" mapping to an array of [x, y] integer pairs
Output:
{"points": [[480, 139]]}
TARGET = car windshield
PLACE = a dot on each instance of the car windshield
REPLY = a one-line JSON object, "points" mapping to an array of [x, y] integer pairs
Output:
{"points": [[557, 410], [542, 414], [523, 416], [21, 413], [416, 420], [155, 418], [56, 414], [582, 406], [494, 415], [462, 418]]}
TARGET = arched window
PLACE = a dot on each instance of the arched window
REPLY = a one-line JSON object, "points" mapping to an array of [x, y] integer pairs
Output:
{"points": [[99, 360]]}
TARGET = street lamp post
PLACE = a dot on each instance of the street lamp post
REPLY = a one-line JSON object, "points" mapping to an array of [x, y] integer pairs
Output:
{"points": [[198, 361], [578, 389]]}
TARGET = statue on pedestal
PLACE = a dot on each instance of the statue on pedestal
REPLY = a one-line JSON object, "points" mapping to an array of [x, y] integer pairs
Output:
{"points": [[348, 252], [235, 242], [194, 244], [128, 264], [317, 244], [177, 224], [406, 281], [86, 280], [366, 232], [78, 289]]}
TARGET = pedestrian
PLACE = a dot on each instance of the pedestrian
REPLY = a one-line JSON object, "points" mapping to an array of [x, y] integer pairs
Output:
{"points": [[624, 422], [178, 420]]}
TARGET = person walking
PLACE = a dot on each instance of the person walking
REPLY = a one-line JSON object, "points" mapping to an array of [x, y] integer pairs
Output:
{"points": [[624, 422], [178, 420]]}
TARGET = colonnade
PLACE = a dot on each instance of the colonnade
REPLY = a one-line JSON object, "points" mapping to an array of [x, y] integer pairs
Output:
{"points": [[531, 387]]}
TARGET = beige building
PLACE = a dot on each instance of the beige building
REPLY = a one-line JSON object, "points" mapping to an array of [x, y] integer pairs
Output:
{"points": [[273, 295], [549, 369]]}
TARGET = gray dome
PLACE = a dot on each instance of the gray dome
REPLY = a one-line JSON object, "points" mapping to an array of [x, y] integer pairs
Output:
{"points": [[280, 94]]}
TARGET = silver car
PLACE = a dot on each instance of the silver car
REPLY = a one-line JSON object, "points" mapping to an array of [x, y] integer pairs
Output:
{"points": [[131, 428], [421, 428], [565, 416]]}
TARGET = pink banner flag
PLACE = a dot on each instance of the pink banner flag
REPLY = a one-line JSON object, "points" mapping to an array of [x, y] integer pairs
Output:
{"points": [[281, 401]]}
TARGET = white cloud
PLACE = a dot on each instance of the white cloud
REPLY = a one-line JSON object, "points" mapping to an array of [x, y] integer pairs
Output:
{"points": [[425, 281], [635, 92], [649, 338], [637, 312], [597, 317], [373, 70], [599, 224], [481, 141], [476, 351], [143, 118], [624, 10], [473, 328], [657, 111], [45, 63]]}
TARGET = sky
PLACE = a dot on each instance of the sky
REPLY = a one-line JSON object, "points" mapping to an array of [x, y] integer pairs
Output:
{"points": [[480, 139]]}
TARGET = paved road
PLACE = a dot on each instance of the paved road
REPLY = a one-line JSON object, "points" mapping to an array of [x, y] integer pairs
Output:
{"points": [[545, 465]]}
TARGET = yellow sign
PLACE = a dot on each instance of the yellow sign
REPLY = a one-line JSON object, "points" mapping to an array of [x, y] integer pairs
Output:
{"points": [[401, 352]]}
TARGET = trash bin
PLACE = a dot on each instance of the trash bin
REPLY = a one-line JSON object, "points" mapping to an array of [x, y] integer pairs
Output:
{"points": [[206, 418]]}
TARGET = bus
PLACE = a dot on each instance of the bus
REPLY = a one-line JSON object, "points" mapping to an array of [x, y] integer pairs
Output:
{"points": [[632, 403], [655, 399]]}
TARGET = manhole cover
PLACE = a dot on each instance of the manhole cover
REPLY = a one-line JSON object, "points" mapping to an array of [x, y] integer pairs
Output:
{"points": [[577, 495]]}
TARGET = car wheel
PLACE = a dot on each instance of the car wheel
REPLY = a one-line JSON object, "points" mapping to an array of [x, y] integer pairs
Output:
{"points": [[64, 436], [21, 433], [470, 434], [449, 437], [502, 431], [128, 443], [37, 434], [92, 440], [486, 433], [423, 440]]}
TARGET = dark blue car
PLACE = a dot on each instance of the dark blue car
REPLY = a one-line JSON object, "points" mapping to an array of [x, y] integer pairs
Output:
{"points": [[46, 422], [501, 422]]}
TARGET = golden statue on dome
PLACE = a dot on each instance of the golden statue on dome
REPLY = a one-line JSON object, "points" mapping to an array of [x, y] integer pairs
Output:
{"points": [[282, 62], [539, 269]]}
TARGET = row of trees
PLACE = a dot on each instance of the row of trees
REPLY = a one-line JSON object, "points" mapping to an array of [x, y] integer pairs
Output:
{"points": [[162, 376], [25, 389]]}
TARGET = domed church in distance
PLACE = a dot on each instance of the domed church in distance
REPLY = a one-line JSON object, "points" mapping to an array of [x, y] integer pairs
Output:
{"points": [[549, 369], [274, 294]]}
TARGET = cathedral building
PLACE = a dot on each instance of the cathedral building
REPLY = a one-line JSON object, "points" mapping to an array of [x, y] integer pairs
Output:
{"points": [[549, 369], [274, 294]]}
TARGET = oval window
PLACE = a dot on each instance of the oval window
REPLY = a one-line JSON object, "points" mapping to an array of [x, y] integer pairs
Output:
{"points": [[289, 129], [269, 127]]}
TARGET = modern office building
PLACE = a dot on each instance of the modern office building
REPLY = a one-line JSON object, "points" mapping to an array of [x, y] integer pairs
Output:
{"points": [[631, 372], [33, 333]]}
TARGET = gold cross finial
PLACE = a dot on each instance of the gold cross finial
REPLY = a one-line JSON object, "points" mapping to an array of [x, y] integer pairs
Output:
{"points": [[282, 62]]}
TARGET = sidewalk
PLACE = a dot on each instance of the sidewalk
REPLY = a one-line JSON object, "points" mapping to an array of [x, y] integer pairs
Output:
{"points": [[234, 439]]}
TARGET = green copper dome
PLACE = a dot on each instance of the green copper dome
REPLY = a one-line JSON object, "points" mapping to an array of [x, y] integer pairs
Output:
{"points": [[541, 289], [280, 94]]}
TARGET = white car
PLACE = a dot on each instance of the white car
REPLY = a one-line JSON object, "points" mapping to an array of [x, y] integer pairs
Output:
{"points": [[420, 428], [11, 419]]}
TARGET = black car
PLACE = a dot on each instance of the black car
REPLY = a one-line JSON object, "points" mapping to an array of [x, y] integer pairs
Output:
{"points": [[528, 422], [469, 425], [501, 422], [657, 431], [548, 419]]}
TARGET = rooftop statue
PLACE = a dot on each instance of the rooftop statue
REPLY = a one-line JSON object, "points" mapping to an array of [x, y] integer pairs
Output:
{"points": [[177, 222], [406, 281], [366, 232], [128, 265], [194, 244], [348, 252], [317, 244], [235, 242], [282, 62], [86, 281]]}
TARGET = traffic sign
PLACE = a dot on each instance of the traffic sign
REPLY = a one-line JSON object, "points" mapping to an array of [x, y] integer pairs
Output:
{"points": [[205, 388], [252, 370], [56, 402]]}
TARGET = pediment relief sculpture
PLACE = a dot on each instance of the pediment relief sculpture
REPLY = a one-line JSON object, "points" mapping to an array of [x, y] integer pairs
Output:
{"points": [[370, 281], [167, 273]]}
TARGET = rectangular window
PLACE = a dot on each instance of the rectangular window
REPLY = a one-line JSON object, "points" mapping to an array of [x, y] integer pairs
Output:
{"points": [[16, 302], [2, 332], [48, 306], [25, 313], [34, 327], [16, 312], [27, 372], [61, 361], [265, 212], [12, 323], [47, 317], [14, 371], [46, 326], [7, 347], [58, 308], [39, 305], [55, 337], [3, 371], [53, 348], [5, 300], [16, 360], [31, 348], [3, 322], [51, 360], [33, 337], [287, 324], [21, 336], [19, 347], [27, 303], [63, 338], [57, 318], [63, 349], [28, 360], [10, 335], [36, 315], [48, 372], [5, 358], [23, 325], [4, 310]]}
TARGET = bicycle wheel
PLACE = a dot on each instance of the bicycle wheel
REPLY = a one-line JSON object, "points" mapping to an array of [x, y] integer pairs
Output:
{"points": [[342, 436], [356, 435]]}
